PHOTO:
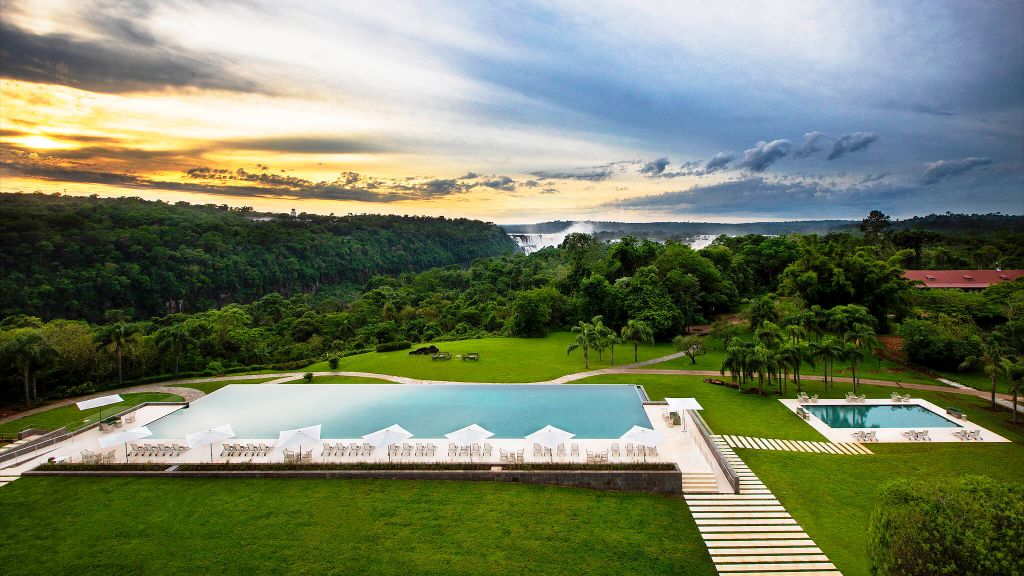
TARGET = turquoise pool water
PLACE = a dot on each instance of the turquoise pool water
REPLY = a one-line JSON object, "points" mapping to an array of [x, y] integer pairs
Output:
{"points": [[879, 416], [428, 411]]}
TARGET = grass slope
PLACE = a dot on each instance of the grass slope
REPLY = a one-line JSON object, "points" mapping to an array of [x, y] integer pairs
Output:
{"points": [[340, 380], [74, 418], [175, 526], [213, 386], [501, 360]]}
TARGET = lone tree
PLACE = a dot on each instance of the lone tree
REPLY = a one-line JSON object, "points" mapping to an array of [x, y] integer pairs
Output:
{"points": [[585, 337], [875, 226], [117, 335], [691, 346], [637, 331]]}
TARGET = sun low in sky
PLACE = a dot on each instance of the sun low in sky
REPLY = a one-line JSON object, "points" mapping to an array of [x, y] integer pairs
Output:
{"points": [[521, 112]]}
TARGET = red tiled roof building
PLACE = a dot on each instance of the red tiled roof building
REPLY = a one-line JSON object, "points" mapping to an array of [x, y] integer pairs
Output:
{"points": [[964, 279]]}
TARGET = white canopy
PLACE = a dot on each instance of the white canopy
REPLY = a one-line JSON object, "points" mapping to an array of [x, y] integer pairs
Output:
{"points": [[124, 436], [310, 435], [101, 401], [643, 436], [550, 437], [209, 436], [387, 436], [468, 435], [680, 404]]}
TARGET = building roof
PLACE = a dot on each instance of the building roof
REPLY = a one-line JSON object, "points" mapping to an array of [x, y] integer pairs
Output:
{"points": [[962, 278]]}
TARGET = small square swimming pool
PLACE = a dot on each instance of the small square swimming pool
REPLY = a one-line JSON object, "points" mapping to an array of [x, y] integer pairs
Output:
{"points": [[257, 411], [879, 416]]}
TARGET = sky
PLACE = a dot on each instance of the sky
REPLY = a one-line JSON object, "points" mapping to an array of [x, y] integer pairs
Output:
{"points": [[521, 112]]}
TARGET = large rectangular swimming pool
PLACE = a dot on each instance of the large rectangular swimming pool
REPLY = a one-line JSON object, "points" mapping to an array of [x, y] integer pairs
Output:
{"points": [[879, 416], [427, 411]]}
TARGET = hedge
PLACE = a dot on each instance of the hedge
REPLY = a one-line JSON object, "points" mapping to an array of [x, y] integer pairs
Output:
{"points": [[392, 346]]}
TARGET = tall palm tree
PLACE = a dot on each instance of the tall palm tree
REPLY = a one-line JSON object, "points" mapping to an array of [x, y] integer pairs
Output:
{"points": [[173, 339], [116, 335], [791, 357], [1014, 374], [584, 339], [637, 331], [795, 333], [600, 335], [739, 362], [768, 334], [29, 352], [826, 350], [989, 360]]}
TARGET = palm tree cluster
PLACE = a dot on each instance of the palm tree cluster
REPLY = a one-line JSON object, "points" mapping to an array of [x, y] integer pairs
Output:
{"points": [[595, 335], [778, 352]]}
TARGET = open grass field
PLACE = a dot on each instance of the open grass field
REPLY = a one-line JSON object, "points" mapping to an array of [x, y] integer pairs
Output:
{"points": [[340, 380], [501, 360], [74, 418], [380, 527]]}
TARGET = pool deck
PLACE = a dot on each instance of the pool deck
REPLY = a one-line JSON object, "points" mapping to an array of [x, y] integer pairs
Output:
{"points": [[890, 435]]}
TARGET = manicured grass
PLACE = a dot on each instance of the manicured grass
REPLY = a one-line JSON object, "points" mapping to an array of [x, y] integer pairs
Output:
{"points": [[832, 496], [379, 527], [976, 379], [213, 386], [74, 418], [726, 410], [501, 360], [341, 380]]}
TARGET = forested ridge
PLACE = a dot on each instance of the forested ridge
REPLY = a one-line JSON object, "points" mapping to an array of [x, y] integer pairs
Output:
{"points": [[76, 257], [622, 292]]}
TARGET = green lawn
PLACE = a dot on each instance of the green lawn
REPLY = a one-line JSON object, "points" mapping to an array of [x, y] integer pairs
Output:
{"points": [[379, 527], [341, 380], [501, 360], [209, 387], [74, 418], [832, 496], [976, 379]]}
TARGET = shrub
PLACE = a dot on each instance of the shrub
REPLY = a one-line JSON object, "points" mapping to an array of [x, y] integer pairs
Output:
{"points": [[969, 525], [396, 345], [308, 376], [941, 341], [333, 362]]}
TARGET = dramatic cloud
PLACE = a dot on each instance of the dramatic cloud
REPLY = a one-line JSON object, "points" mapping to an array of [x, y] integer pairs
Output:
{"points": [[719, 161], [654, 168], [764, 154], [499, 183], [111, 64], [810, 145], [592, 176], [935, 172], [305, 145], [851, 143]]}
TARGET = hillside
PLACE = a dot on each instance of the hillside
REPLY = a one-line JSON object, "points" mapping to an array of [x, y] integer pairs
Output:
{"points": [[74, 257]]}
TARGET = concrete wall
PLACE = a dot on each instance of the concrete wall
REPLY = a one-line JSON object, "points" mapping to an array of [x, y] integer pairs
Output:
{"points": [[651, 481]]}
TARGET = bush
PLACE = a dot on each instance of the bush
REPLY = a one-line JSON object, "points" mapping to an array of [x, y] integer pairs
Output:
{"points": [[392, 346], [308, 376], [333, 362], [969, 525], [942, 342]]}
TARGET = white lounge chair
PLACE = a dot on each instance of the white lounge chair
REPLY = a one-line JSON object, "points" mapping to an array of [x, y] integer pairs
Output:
{"points": [[615, 450]]}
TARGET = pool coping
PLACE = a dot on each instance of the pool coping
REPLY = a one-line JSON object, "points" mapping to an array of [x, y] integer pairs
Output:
{"points": [[889, 435]]}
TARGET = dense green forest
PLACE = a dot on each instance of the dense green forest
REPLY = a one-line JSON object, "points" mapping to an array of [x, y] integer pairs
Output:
{"points": [[838, 286], [76, 257]]}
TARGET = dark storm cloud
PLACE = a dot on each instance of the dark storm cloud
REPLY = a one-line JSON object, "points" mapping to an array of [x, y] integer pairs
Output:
{"points": [[499, 183], [810, 145], [113, 65], [437, 189], [719, 161], [654, 168], [591, 176], [764, 154], [935, 172], [851, 143]]}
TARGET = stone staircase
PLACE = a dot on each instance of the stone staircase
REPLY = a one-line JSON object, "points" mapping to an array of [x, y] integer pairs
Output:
{"points": [[850, 448], [6, 479], [700, 483], [751, 533]]}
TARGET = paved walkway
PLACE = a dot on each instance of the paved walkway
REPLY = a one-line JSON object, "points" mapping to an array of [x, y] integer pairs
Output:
{"points": [[751, 532], [755, 443]]}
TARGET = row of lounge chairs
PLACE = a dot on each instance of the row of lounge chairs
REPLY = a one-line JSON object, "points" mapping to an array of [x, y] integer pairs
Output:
{"points": [[916, 435], [409, 450], [897, 397], [250, 450], [803, 398], [862, 436], [292, 457], [851, 397], [151, 450], [90, 457], [966, 435], [351, 450], [455, 451], [511, 457]]}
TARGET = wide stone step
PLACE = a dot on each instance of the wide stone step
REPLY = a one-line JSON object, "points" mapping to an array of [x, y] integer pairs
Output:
{"points": [[769, 558], [736, 538], [744, 521], [775, 567], [780, 544], [740, 528], [726, 497], [724, 508], [752, 515]]}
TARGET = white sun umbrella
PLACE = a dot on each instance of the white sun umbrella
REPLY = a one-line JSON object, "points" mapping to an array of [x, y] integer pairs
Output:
{"points": [[101, 401], [387, 436], [550, 437], [310, 436], [644, 437], [469, 435], [680, 405], [209, 436], [124, 437]]}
